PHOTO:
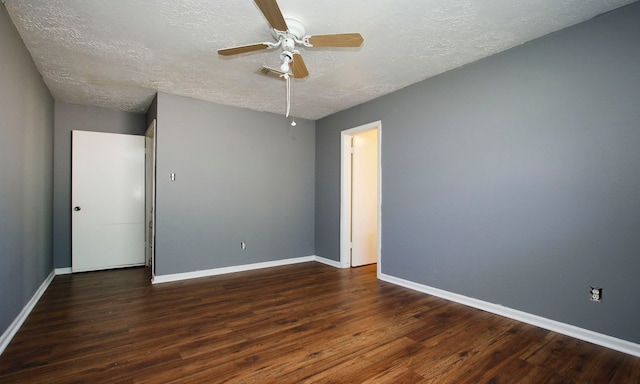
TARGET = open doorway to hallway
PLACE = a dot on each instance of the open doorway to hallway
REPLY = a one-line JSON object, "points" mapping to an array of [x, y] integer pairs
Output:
{"points": [[360, 196]]}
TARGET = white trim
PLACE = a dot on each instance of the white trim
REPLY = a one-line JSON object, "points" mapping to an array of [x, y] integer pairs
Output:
{"points": [[329, 262], [345, 191], [542, 322], [63, 271], [379, 263], [345, 200], [233, 269], [151, 131], [13, 328]]}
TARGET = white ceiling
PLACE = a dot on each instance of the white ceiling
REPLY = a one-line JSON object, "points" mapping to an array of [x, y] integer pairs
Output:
{"points": [[118, 53]]}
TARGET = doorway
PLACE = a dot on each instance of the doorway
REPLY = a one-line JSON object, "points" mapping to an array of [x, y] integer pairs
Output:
{"points": [[360, 208], [150, 197]]}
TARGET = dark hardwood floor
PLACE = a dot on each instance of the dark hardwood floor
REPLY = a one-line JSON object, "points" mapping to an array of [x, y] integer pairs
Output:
{"points": [[300, 323]]}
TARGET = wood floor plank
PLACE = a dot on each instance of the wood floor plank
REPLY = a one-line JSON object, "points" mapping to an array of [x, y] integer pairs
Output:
{"points": [[305, 323]]}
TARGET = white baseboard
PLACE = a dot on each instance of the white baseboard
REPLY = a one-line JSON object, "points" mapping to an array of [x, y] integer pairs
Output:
{"points": [[13, 328], [329, 262], [552, 325], [233, 269], [63, 271]]}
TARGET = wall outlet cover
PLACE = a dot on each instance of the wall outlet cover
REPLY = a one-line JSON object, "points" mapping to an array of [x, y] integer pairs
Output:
{"points": [[595, 294]]}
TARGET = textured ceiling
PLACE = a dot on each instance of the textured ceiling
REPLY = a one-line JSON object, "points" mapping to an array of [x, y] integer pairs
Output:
{"points": [[118, 53]]}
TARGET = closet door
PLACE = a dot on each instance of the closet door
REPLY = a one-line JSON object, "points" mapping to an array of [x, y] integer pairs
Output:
{"points": [[108, 200]]}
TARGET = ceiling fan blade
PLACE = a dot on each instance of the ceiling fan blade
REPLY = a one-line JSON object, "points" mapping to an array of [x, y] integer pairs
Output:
{"points": [[298, 67], [336, 40], [271, 11], [242, 49]]}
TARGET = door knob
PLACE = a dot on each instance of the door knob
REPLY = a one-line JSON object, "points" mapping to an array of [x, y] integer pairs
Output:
{"points": [[76, 208]]}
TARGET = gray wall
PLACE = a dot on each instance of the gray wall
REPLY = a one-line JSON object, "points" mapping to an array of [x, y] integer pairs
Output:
{"points": [[70, 117], [515, 179], [26, 177], [241, 176]]}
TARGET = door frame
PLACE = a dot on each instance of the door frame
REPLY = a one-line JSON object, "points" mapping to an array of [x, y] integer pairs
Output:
{"points": [[345, 192], [151, 133]]}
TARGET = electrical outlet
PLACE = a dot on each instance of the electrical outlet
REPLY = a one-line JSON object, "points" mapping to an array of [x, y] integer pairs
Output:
{"points": [[595, 294], [243, 245]]}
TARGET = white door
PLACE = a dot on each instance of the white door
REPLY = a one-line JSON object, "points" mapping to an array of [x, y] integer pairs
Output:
{"points": [[107, 200], [364, 199]]}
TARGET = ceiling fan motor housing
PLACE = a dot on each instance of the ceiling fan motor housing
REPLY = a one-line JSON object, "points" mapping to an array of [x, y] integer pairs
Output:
{"points": [[295, 32], [288, 44], [295, 27]]}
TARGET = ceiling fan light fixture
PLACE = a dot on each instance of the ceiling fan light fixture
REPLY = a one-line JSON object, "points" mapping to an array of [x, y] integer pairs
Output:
{"points": [[286, 57]]}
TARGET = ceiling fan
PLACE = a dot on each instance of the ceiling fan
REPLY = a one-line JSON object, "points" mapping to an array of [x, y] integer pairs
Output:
{"points": [[288, 34]]}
